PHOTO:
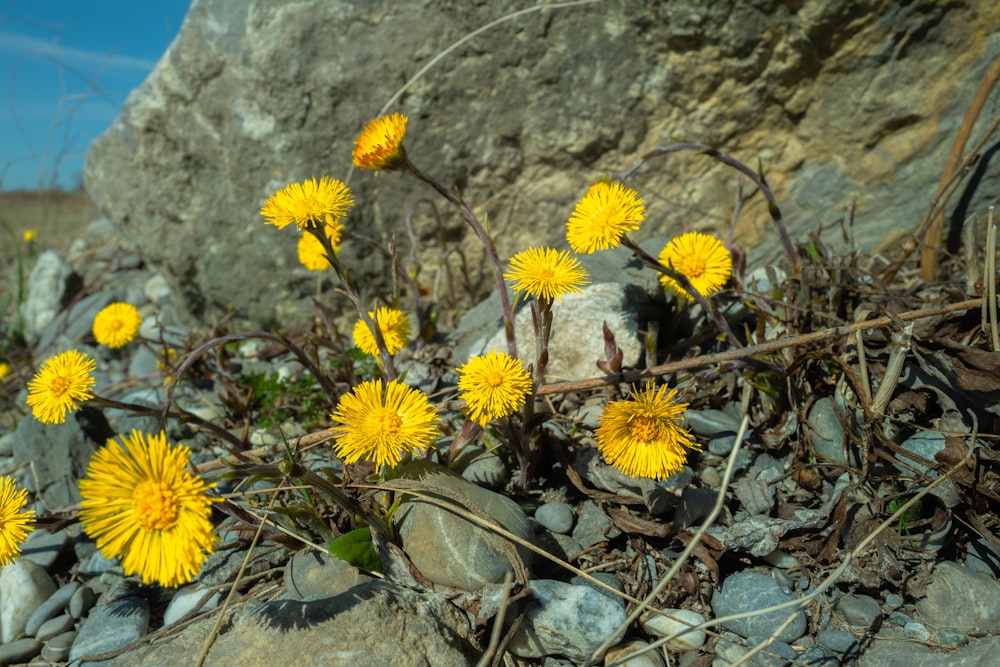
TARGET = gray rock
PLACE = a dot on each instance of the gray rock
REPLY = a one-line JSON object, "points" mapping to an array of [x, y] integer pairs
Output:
{"points": [[859, 610], [952, 637], [893, 600], [310, 573], [777, 653], [82, 601], [188, 598], [374, 623], [54, 626], [896, 653], [817, 656], [59, 453], [826, 433], [19, 650], [556, 517], [24, 587], [925, 444], [57, 649], [677, 625], [44, 547], [563, 619], [111, 627], [486, 470], [56, 603], [471, 557], [51, 285], [960, 598], [748, 591], [709, 423], [840, 641], [918, 631], [625, 651], [593, 526]]}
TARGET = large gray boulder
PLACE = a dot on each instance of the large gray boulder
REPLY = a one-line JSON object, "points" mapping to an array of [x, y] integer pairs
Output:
{"points": [[838, 100]]}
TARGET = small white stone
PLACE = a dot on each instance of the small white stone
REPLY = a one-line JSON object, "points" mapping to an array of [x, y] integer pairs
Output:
{"points": [[625, 649], [184, 601], [662, 626]]}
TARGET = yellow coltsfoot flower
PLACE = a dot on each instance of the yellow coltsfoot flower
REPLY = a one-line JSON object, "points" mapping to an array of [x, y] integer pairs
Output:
{"points": [[312, 254], [308, 204], [380, 144], [643, 437], [382, 426], [603, 216], [546, 274], [59, 386], [117, 324], [701, 258], [395, 328], [15, 521], [493, 385], [143, 506]]}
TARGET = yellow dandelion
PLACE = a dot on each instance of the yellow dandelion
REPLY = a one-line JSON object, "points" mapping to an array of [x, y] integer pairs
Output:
{"points": [[643, 437], [382, 428], [15, 521], [493, 386], [546, 274], [59, 385], [312, 255], [700, 257], [29, 235], [602, 217], [395, 327], [308, 204], [380, 144], [117, 324], [4, 369], [143, 506]]}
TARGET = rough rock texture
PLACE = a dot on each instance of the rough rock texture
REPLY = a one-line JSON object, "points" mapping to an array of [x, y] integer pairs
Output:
{"points": [[839, 101]]}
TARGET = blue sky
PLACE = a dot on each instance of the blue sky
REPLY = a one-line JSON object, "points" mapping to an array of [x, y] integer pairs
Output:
{"points": [[66, 67]]}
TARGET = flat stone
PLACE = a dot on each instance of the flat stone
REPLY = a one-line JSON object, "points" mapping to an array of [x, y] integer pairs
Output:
{"points": [[310, 573], [958, 597], [111, 627], [19, 650], [859, 610], [572, 621], [840, 641], [593, 526], [748, 591], [556, 517], [826, 433], [24, 587], [625, 651], [48, 609], [44, 547], [57, 649], [678, 627], [81, 602], [186, 598], [54, 626]]}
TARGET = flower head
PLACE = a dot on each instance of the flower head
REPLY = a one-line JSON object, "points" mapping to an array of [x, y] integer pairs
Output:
{"points": [[700, 257], [29, 235], [117, 324], [59, 384], [602, 217], [395, 328], [493, 386], [15, 521], [143, 506], [308, 204], [312, 255], [643, 437], [545, 273], [4, 369], [381, 428], [380, 144]]}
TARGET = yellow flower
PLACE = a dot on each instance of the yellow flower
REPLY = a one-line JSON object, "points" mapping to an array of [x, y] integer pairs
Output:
{"points": [[30, 235], [59, 384], [493, 386], [311, 252], [602, 217], [643, 437], [380, 144], [382, 428], [395, 327], [117, 324], [308, 204], [4, 369], [700, 257], [15, 521], [143, 506], [546, 274]]}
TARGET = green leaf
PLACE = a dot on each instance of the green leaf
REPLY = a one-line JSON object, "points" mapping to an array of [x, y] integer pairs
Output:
{"points": [[357, 549]]}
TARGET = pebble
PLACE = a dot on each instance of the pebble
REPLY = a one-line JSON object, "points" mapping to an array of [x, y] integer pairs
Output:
{"points": [[19, 650], [826, 433], [556, 517], [568, 620], [682, 621], [750, 590], [893, 601], [777, 653], [593, 526], [487, 470], [48, 609], [312, 572], [708, 423], [859, 610], [81, 602], [44, 547], [782, 559], [111, 627], [711, 477], [952, 637], [57, 649], [961, 598], [187, 599], [54, 626], [924, 444], [24, 586], [840, 641], [898, 618], [818, 656], [620, 653], [915, 630]]}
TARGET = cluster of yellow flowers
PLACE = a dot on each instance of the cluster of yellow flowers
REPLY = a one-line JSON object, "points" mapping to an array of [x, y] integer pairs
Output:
{"points": [[143, 505]]}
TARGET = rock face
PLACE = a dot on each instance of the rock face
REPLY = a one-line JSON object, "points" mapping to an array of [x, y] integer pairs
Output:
{"points": [[838, 100]]}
